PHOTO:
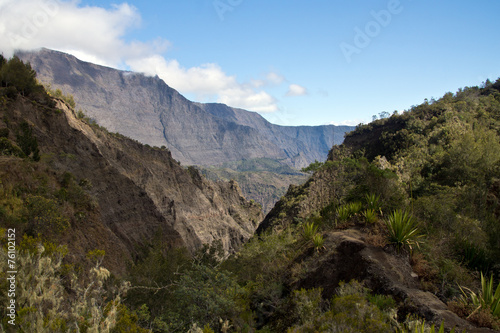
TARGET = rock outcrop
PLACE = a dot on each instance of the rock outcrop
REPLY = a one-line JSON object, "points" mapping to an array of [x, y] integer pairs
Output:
{"points": [[348, 256]]}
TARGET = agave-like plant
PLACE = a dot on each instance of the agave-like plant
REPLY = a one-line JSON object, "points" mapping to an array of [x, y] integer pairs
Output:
{"points": [[373, 201], [318, 241], [343, 213], [354, 207], [370, 216], [489, 298], [309, 230], [403, 232]]}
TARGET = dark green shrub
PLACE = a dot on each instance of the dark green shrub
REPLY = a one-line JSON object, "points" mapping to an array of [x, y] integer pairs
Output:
{"points": [[44, 215], [8, 148], [27, 142], [4, 132]]}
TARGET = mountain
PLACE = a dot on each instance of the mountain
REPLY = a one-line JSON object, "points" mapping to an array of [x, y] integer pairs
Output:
{"points": [[148, 110], [95, 189]]}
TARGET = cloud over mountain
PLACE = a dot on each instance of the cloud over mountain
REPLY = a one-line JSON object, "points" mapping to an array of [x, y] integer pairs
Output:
{"points": [[101, 36]]}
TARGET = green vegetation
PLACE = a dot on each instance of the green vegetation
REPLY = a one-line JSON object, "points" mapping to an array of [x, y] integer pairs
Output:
{"points": [[51, 298], [69, 99]]}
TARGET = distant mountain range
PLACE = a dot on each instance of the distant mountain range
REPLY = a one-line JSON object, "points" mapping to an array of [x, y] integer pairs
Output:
{"points": [[145, 108]]}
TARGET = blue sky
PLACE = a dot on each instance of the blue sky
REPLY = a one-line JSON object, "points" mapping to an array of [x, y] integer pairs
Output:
{"points": [[295, 62]]}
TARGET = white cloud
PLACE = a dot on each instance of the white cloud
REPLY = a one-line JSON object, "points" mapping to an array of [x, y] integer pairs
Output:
{"points": [[206, 81], [350, 122], [296, 90], [93, 33], [98, 35], [275, 78]]}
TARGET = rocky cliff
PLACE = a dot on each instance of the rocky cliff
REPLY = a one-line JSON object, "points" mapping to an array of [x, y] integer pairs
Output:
{"points": [[141, 193], [146, 109]]}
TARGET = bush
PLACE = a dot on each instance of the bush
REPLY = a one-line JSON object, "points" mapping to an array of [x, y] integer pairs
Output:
{"points": [[205, 295], [8, 148], [44, 216], [46, 305], [350, 311]]}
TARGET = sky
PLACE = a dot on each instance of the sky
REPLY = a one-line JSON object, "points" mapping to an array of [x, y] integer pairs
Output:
{"points": [[295, 62]]}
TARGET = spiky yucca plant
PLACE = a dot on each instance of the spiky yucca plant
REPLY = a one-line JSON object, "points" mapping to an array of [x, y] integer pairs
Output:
{"points": [[354, 207], [403, 232], [309, 230], [373, 201], [370, 216], [489, 298], [318, 241], [343, 213]]}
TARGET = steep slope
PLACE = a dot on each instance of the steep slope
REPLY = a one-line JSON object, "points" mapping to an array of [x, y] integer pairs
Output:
{"points": [[148, 110], [140, 193], [439, 163]]}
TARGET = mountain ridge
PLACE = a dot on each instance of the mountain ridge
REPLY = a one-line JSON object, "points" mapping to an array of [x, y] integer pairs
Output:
{"points": [[196, 133]]}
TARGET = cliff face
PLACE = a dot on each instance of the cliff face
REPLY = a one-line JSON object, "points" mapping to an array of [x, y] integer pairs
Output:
{"points": [[142, 193], [146, 109]]}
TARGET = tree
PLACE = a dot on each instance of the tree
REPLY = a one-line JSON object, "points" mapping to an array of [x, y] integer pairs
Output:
{"points": [[17, 74], [27, 142], [3, 61]]}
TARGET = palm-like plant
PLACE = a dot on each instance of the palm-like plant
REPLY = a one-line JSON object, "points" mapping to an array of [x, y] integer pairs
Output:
{"points": [[346, 211], [403, 232], [354, 207]]}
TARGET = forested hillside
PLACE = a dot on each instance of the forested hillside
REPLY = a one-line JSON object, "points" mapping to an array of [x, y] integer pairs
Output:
{"points": [[425, 182]]}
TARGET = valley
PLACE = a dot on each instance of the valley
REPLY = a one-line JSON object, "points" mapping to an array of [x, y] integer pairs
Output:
{"points": [[139, 227]]}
